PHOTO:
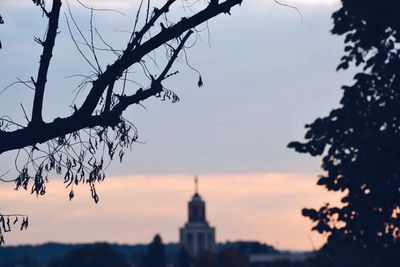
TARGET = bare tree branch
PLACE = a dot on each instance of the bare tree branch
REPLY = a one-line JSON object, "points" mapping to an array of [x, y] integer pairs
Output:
{"points": [[156, 86], [45, 58], [78, 146], [131, 57]]}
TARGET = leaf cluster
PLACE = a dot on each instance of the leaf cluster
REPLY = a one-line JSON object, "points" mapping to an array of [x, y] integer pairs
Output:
{"points": [[7, 221]]}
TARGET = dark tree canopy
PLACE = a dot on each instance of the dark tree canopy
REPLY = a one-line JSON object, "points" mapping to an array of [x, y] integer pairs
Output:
{"points": [[360, 140], [225, 258], [155, 255], [97, 255], [183, 258]]}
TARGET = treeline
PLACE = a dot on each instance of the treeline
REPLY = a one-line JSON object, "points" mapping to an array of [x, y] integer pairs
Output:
{"points": [[53, 254]]}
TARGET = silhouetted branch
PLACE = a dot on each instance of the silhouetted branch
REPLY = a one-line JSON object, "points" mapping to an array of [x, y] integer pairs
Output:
{"points": [[131, 57], [1, 22], [78, 146], [45, 58], [97, 70]]}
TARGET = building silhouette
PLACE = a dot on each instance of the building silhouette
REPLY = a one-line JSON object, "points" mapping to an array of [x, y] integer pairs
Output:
{"points": [[197, 236]]}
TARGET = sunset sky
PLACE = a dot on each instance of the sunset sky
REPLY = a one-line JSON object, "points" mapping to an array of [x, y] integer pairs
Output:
{"points": [[266, 73]]}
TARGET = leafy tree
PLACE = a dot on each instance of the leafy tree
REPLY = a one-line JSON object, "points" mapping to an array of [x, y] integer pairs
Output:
{"points": [[155, 256], [77, 146], [360, 140]]}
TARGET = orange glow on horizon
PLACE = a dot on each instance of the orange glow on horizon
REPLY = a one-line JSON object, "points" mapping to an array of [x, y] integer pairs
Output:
{"points": [[264, 207]]}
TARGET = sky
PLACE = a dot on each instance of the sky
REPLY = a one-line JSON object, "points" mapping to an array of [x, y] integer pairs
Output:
{"points": [[267, 71]]}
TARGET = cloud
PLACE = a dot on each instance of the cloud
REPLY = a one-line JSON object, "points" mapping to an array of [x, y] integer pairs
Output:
{"points": [[95, 4], [298, 2], [287, 7], [312, 2]]}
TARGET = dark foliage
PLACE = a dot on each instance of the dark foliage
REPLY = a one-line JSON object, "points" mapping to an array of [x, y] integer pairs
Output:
{"points": [[7, 221], [100, 255], [232, 258], [360, 140], [248, 247], [43, 254], [225, 258], [155, 255], [183, 259], [24, 261]]}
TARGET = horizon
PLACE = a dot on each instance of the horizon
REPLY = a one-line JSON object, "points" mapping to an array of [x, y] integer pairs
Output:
{"points": [[254, 211]]}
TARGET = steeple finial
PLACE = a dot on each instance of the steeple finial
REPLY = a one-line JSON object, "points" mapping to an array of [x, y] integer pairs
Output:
{"points": [[196, 184]]}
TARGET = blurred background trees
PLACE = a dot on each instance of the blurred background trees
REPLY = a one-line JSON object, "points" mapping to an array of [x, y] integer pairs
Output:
{"points": [[155, 255], [98, 255]]}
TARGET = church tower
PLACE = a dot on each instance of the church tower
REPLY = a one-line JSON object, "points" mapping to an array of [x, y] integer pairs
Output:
{"points": [[197, 236]]}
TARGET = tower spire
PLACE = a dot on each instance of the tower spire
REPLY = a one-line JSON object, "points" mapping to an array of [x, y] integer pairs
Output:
{"points": [[196, 184]]}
